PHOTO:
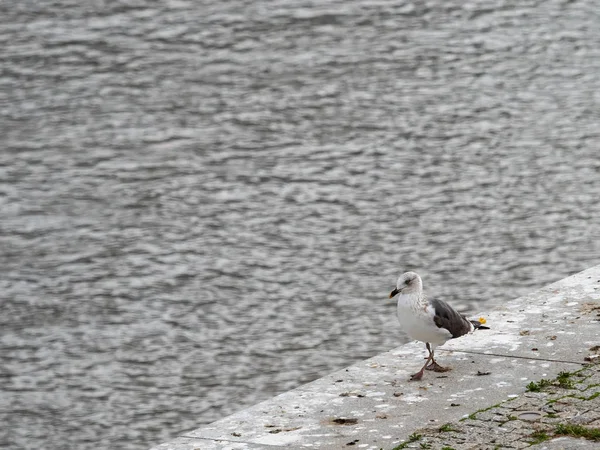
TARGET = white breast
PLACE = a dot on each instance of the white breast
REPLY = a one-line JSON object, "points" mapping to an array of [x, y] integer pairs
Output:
{"points": [[417, 321]]}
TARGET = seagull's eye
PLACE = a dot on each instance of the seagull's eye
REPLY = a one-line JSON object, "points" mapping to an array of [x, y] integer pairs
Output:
{"points": [[406, 281]]}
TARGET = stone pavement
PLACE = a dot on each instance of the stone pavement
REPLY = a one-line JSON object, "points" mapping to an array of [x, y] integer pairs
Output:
{"points": [[563, 413]]}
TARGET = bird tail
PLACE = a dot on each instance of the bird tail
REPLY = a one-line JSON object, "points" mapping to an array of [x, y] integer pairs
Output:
{"points": [[479, 324]]}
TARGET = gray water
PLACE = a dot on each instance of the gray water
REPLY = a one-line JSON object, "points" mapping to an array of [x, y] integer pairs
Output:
{"points": [[203, 204]]}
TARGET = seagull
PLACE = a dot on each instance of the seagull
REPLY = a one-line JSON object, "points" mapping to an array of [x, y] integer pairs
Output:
{"points": [[431, 321]]}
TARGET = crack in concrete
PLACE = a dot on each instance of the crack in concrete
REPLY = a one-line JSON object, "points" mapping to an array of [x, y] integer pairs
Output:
{"points": [[533, 358]]}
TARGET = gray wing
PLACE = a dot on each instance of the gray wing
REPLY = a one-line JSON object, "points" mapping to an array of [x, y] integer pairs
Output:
{"points": [[448, 318]]}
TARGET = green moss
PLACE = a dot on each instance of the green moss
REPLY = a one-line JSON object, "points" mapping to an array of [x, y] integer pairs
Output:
{"points": [[447, 448], [424, 445], [412, 438], [537, 387], [555, 400], [581, 397], [538, 436], [592, 434], [567, 384], [473, 416], [446, 427], [578, 373], [565, 381], [552, 415], [593, 396]]}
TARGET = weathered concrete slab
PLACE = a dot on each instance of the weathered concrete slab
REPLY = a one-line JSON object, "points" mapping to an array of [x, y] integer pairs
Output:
{"points": [[372, 405]]}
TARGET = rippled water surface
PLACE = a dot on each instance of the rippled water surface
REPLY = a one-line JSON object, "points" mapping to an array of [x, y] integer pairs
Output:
{"points": [[203, 204]]}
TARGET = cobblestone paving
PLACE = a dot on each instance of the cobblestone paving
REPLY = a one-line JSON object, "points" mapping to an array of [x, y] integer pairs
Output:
{"points": [[552, 414]]}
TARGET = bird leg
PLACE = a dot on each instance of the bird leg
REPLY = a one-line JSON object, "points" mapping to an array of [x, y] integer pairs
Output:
{"points": [[417, 376], [434, 365]]}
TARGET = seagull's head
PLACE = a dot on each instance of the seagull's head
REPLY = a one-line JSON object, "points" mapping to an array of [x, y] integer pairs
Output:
{"points": [[408, 283]]}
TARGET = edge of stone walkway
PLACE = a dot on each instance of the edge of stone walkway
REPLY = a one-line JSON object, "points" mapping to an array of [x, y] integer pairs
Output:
{"points": [[371, 405]]}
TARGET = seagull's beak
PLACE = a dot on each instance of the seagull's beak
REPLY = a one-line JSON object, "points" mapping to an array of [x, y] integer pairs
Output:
{"points": [[394, 292]]}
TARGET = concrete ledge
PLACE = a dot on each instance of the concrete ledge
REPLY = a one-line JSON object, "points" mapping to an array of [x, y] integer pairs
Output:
{"points": [[371, 405]]}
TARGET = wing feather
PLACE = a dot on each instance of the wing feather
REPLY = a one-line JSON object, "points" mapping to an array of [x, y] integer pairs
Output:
{"points": [[448, 318]]}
